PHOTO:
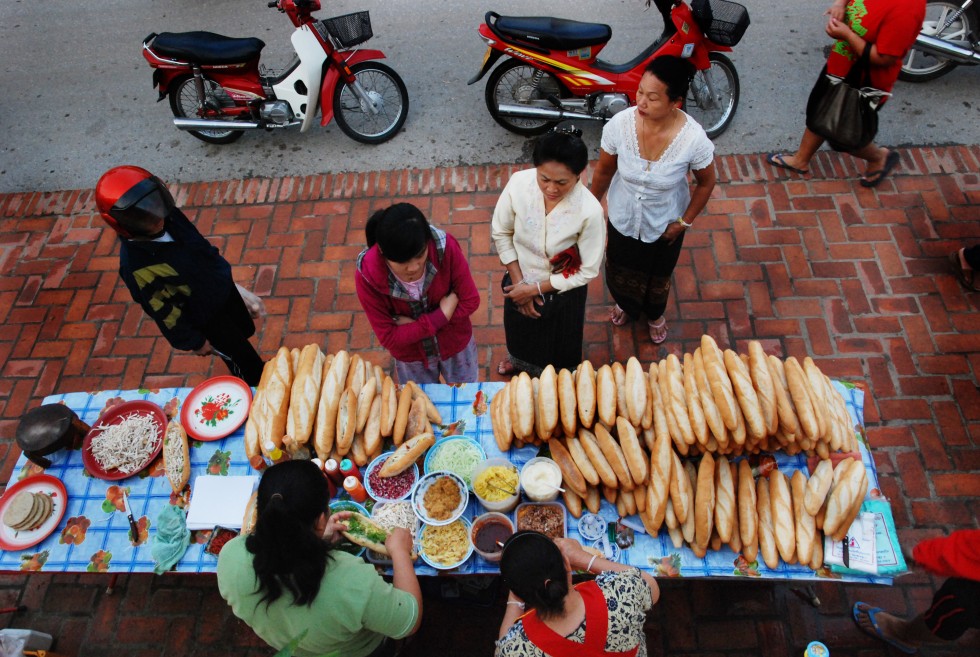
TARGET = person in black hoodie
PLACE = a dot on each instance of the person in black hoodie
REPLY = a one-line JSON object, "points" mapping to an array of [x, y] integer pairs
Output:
{"points": [[176, 275]]}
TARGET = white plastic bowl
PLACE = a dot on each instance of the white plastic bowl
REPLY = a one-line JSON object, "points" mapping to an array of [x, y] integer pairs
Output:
{"points": [[549, 494], [468, 526], [418, 497]]}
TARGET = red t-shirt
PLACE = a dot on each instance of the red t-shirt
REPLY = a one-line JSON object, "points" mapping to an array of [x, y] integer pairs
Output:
{"points": [[892, 25]]}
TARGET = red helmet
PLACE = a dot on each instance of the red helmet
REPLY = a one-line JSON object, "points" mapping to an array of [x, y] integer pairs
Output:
{"points": [[130, 199]]}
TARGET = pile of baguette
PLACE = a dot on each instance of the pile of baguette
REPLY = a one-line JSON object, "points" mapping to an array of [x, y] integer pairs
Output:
{"points": [[619, 433], [333, 405]]}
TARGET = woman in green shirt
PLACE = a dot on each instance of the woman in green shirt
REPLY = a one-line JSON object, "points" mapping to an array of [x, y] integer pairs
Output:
{"points": [[285, 580]]}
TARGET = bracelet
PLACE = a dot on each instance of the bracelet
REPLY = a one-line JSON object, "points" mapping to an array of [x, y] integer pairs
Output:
{"points": [[516, 603], [588, 568], [683, 223], [540, 293]]}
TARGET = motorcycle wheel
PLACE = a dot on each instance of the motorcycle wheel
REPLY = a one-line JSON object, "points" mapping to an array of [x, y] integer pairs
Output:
{"points": [[183, 103], [386, 88], [714, 115], [919, 66], [513, 83]]}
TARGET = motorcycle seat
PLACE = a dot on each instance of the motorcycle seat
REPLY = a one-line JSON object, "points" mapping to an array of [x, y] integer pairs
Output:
{"points": [[207, 47], [553, 32]]}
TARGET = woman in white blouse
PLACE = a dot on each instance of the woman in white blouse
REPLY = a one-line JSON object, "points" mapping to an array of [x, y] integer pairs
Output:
{"points": [[644, 160], [549, 232]]}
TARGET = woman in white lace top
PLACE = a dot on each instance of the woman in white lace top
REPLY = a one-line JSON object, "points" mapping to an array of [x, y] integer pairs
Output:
{"points": [[644, 161]]}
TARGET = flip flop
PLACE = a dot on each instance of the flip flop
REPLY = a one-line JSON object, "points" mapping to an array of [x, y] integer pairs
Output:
{"points": [[618, 316], [876, 632], [776, 160], [656, 327], [966, 277], [873, 178]]}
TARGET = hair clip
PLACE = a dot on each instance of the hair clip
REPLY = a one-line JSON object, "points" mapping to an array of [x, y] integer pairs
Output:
{"points": [[570, 130]]}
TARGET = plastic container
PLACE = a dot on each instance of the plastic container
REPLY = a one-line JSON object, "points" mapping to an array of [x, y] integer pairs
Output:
{"points": [[418, 497], [524, 517], [332, 469], [473, 446], [536, 489], [816, 649], [446, 566], [508, 503], [32, 639], [488, 530], [394, 485]]}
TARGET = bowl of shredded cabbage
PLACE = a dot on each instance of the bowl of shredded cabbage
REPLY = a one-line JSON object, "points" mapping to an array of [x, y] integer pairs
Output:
{"points": [[457, 454]]}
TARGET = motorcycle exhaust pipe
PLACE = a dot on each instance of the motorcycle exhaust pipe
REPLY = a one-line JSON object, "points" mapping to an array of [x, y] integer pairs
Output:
{"points": [[211, 124], [546, 113], [945, 49]]}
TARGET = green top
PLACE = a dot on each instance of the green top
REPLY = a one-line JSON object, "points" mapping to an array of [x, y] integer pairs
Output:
{"points": [[353, 611]]}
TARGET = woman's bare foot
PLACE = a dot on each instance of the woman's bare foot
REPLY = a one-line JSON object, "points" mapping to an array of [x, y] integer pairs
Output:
{"points": [[882, 625], [617, 316]]}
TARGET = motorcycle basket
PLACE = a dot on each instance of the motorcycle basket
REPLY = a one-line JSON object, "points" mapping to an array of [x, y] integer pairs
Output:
{"points": [[350, 29], [723, 22]]}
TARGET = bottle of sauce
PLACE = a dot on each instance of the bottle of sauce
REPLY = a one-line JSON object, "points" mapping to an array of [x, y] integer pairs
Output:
{"points": [[355, 488], [275, 453], [332, 469], [349, 469]]}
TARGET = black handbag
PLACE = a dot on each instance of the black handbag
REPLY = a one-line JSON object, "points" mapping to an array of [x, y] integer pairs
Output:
{"points": [[845, 112]]}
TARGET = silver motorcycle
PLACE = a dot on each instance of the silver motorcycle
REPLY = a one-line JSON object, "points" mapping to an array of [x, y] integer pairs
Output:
{"points": [[948, 39]]}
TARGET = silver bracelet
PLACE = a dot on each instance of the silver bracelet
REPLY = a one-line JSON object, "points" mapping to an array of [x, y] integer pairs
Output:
{"points": [[540, 293], [683, 223], [588, 568], [516, 603]]}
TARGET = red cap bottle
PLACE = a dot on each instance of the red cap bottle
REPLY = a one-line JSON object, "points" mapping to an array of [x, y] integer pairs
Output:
{"points": [[332, 469]]}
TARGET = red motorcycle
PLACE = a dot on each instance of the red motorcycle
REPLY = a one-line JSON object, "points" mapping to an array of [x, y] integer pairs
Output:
{"points": [[552, 71], [218, 90]]}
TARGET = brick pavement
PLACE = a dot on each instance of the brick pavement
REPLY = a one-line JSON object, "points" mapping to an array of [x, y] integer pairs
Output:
{"points": [[855, 277]]}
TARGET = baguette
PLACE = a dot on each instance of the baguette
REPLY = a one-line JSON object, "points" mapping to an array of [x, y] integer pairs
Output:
{"points": [[726, 513], [721, 385], [800, 393], [660, 426], [689, 526], [417, 420], [658, 494], [304, 395], [614, 455], [431, 412], [606, 395], [365, 397], [581, 459], [805, 526], [522, 406], [663, 381], [748, 400], [372, 428], [407, 453], [358, 451], [678, 403], [593, 499], [788, 422], [855, 509], [847, 494], [681, 491], [275, 399], [253, 449], [570, 473], [695, 411], [762, 381], [389, 406], [735, 543], [818, 486], [767, 532], [640, 497], [635, 391], [619, 376], [784, 527], [567, 406], [712, 415], [573, 502], [547, 398], [361, 530], [748, 514], [325, 427], [401, 415], [705, 501], [636, 458], [294, 358], [629, 502], [176, 456], [503, 418], [355, 373], [602, 466], [346, 421], [814, 377], [585, 394]]}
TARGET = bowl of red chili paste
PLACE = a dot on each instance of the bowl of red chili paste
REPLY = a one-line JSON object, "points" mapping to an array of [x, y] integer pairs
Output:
{"points": [[389, 489]]}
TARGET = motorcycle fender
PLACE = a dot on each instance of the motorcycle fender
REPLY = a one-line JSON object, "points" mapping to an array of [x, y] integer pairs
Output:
{"points": [[333, 76], [489, 59], [309, 72]]}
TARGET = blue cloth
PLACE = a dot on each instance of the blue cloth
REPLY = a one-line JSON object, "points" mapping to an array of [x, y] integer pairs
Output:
{"points": [[171, 538]]}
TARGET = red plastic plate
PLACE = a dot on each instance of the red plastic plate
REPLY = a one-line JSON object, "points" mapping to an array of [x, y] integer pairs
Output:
{"points": [[11, 539], [115, 415]]}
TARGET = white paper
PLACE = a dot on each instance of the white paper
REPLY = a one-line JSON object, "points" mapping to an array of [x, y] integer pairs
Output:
{"points": [[219, 501], [860, 538]]}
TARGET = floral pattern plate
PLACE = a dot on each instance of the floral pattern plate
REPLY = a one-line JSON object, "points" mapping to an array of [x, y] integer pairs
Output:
{"points": [[11, 539], [215, 408]]}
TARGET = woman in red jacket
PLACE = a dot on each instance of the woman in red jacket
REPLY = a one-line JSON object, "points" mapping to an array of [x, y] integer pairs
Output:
{"points": [[415, 286]]}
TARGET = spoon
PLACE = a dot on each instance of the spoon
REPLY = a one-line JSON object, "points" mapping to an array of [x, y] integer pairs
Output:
{"points": [[502, 489]]}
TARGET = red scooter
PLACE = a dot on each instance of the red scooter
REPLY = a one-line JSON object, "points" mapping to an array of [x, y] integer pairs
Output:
{"points": [[218, 90], [552, 71]]}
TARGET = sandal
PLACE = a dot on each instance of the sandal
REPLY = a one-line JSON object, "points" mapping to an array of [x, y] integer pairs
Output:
{"points": [[873, 178], [618, 316], [507, 368], [966, 277], [779, 160], [873, 629], [658, 330]]}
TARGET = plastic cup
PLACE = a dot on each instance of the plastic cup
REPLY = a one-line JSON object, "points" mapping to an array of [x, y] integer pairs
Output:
{"points": [[509, 502], [540, 487]]}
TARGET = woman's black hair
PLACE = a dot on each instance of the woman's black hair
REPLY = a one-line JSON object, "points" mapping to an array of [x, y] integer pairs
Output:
{"points": [[564, 146], [289, 554], [400, 231], [675, 72], [533, 568]]}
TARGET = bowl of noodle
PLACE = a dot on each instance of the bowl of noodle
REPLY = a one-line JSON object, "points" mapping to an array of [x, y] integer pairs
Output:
{"points": [[445, 547], [124, 440]]}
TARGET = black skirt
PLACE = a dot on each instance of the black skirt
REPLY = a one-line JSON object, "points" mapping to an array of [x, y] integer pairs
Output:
{"points": [[555, 338]]}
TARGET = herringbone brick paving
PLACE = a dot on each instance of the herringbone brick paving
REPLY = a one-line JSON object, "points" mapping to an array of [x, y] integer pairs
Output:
{"points": [[854, 277]]}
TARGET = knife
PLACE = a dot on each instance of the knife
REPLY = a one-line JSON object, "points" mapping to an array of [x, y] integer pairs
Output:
{"points": [[133, 528]]}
